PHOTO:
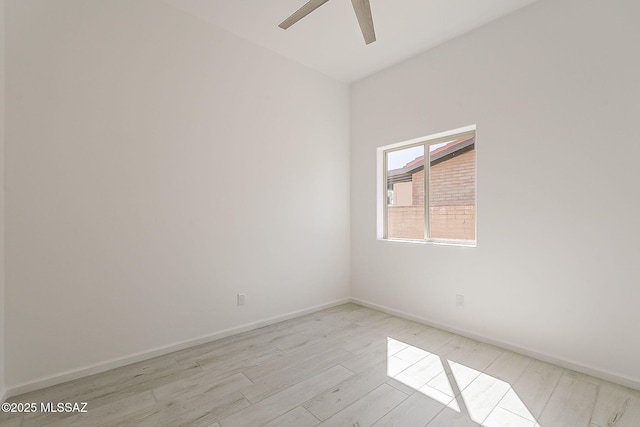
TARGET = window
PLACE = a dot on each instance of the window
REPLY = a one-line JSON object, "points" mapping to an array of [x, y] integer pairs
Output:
{"points": [[428, 189]]}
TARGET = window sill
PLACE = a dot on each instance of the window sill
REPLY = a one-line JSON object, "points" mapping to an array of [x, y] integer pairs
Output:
{"points": [[458, 243]]}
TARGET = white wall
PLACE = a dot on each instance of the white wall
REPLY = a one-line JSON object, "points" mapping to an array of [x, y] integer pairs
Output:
{"points": [[554, 92], [2, 307], [156, 167]]}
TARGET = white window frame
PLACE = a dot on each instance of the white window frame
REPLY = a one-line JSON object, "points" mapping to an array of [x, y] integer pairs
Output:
{"points": [[382, 185]]}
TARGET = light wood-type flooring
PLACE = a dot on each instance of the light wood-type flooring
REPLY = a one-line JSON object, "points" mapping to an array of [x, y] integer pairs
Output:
{"points": [[345, 366]]}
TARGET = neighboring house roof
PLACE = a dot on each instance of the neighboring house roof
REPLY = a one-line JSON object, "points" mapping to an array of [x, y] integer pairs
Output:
{"points": [[438, 155]]}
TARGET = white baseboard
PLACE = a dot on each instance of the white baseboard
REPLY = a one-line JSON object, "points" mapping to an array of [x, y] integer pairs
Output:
{"points": [[3, 395], [568, 364], [106, 365]]}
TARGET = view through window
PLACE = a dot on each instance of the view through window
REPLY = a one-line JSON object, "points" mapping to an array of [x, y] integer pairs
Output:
{"points": [[431, 190]]}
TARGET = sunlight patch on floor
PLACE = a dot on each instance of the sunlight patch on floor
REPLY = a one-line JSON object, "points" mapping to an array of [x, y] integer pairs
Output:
{"points": [[486, 399]]}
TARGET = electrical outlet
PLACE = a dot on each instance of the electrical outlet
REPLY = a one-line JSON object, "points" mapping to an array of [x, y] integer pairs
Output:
{"points": [[459, 300], [241, 299]]}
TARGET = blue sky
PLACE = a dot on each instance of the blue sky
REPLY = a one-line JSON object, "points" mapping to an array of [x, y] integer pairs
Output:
{"points": [[397, 159]]}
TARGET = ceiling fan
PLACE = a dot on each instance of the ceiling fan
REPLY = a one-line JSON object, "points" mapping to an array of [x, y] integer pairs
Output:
{"points": [[361, 7]]}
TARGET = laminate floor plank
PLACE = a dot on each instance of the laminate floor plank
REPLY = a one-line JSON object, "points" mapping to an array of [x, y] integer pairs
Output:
{"points": [[420, 371], [509, 366], [284, 378], [416, 411], [502, 418], [429, 339], [8, 419], [227, 347], [470, 353], [367, 359], [301, 340], [255, 373], [362, 342], [373, 340], [194, 409], [531, 391], [401, 386], [350, 390], [616, 406], [452, 418], [362, 315], [571, 403], [298, 417], [482, 396], [201, 384], [239, 361], [371, 317], [282, 402], [368, 409], [411, 332]]}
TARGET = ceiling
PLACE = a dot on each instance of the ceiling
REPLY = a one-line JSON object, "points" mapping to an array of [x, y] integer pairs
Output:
{"points": [[329, 39]]}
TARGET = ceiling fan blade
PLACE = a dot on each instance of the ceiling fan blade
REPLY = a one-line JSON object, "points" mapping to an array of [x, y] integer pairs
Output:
{"points": [[306, 9], [363, 13]]}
